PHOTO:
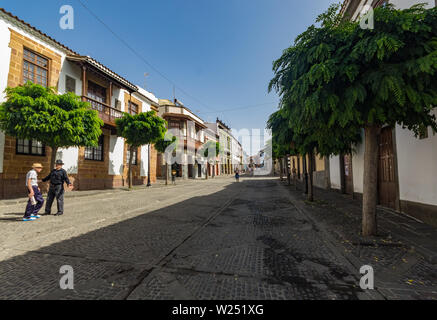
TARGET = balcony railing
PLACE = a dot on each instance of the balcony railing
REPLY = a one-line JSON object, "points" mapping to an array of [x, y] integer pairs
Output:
{"points": [[106, 113]]}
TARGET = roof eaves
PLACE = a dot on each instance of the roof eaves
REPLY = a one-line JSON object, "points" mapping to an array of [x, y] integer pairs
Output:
{"points": [[104, 69]]}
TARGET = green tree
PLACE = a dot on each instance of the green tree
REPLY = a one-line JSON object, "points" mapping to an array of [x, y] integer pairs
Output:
{"points": [[32, 111], [213, 146], [140, 129], [340, 78], [165, 146], [282, 139]]}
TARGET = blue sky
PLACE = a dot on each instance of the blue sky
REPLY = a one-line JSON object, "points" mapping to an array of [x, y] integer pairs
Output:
{"points": [[219, 52]]}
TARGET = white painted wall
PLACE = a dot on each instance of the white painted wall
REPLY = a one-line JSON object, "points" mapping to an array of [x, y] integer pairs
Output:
{"points": [[405, 4], [358, 166], [116, 153], [5, 59], [144, 161], [334, 167], [72, 71], [70, 157], [2, 150], [417, 166]]}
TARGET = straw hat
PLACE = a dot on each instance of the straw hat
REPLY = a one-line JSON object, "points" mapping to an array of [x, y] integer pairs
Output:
{"points": [[37, 165]]}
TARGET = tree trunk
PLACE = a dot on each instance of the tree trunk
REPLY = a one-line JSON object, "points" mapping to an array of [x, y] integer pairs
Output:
{"points": [[281, 169], [287, 170], [53, 157], [305, 172], [213, 170], [327, 173], [370, 188], [129, 173], [207, 170], [166, 173], [310, 180]]}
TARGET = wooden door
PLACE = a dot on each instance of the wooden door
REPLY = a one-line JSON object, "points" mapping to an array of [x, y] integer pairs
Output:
{"points": [[386, 170]]}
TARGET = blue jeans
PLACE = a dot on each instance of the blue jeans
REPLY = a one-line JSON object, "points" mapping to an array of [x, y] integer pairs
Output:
{"points": [[34, 209]]}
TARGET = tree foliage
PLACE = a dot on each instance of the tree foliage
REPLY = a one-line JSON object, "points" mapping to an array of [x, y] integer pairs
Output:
{"points": [[140, 129], [339, 77], [32, 111], [210, 145]]}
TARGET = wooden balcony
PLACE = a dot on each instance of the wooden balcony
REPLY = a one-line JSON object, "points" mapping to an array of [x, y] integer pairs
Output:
{"points": [[106, 113]]}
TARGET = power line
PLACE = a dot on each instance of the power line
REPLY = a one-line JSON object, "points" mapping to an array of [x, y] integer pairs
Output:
{"points": [[139, 56]]}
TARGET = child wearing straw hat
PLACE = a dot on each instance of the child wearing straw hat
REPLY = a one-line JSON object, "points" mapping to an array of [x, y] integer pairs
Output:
{"points": [[36, 200]]}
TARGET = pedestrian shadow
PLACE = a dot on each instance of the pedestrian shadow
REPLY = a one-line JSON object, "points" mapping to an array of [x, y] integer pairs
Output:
{"points": [[8, 220], [14, 214]]}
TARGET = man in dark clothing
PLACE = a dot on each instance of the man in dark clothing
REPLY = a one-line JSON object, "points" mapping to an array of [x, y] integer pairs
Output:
{"points": [[57, 178]]}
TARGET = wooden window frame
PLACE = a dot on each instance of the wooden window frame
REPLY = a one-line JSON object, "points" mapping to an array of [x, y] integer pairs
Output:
{"points": [[102, 153], [103, 96], [130, 108], [36, 66], [30, 153]]}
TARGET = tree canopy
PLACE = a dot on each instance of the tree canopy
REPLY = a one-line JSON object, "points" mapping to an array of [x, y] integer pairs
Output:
{"points": [[140, 129], [32, 111], [339, 78], [342, 77]]}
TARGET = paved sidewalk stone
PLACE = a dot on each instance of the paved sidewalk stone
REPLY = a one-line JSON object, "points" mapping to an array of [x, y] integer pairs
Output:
{"points": [[401, 270]]}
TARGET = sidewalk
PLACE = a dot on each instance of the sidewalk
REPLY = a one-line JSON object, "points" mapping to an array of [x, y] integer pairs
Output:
{"points": [[403, 255]]}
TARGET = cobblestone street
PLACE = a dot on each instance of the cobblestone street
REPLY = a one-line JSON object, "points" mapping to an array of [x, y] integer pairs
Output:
{"points": [[203, 239]]}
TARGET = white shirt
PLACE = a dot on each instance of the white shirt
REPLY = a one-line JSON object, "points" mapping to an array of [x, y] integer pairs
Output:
{"points": [[33, 176]]}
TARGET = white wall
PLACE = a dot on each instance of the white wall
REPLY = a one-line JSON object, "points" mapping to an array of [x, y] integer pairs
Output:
{"points": [[405, 4], [73, 71], [417, 166], [118, 93], [2, 148], [5, 59], [358, 166], [334, 167], [116, 153], [144, 161], [70, 157]]}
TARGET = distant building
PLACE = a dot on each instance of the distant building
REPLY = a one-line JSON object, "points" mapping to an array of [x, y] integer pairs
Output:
{"points": [[231, 157], [189, 129]]}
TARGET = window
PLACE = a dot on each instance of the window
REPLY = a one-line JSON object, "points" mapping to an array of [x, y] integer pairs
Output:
{"points": [[135, 155], [96, 92], [30, 147], [70, 84], [133, 108], [95, 153], [174, 125], [35, 68]]}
